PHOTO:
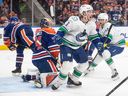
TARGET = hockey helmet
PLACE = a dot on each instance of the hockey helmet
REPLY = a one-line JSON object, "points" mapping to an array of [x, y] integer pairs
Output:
{"points": [[14, 19], [103, 16], [45, 22], [85, 8]]}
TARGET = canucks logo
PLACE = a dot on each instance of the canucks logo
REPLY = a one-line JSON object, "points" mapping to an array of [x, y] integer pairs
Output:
{"points": [[81, 36]]}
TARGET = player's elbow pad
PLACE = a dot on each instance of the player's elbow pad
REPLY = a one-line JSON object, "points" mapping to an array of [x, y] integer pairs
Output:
{"points": [[7, 41]]}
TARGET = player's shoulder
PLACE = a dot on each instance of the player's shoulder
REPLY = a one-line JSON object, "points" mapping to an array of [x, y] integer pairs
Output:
{"points": [[74, 18], [9, 26], [107, 25], [49, 30]]}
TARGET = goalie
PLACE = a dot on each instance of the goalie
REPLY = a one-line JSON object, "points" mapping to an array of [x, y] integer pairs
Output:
{"points": [[45, 58]]}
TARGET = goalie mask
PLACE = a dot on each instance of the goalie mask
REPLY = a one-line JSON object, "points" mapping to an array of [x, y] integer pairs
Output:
{"points": [[44, 22]]}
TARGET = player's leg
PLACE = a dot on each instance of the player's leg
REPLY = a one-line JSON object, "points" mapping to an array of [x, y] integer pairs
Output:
{"points": [[67, 60], [48, 71], [115, 50], [19, 59], [107, 57], [81, 57]]}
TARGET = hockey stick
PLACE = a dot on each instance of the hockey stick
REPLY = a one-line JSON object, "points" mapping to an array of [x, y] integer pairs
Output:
{"points": [[58, 63], [103, 46], [118, 85], [104, 42]]}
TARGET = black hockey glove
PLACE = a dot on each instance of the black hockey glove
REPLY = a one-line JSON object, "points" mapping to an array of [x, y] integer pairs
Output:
{"points": [[100, 48], [12, 47]]}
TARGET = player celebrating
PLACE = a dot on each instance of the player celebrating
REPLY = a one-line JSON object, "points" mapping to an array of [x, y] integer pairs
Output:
{"points": [[72, 36], [112, 44]]}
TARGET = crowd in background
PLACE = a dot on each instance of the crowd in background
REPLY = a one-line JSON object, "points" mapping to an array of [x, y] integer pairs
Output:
{"points": [[117, 9], [6, 11], [65, 8]]}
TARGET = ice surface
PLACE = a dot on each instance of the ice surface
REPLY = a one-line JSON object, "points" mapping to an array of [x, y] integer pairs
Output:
{"points": [[97, 83]]}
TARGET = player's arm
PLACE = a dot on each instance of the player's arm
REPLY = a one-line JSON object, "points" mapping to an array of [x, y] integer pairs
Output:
{"points": [[7, 41], [117, 39], [64, 29], [94, 37]]}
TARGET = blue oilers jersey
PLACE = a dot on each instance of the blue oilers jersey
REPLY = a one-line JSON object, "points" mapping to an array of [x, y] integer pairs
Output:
{"points": [[8, 30], [44, 36], [22, 34]]}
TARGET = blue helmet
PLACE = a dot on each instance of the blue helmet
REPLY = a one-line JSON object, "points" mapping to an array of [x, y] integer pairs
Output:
{"points": [[14, 18], [44, 22]]}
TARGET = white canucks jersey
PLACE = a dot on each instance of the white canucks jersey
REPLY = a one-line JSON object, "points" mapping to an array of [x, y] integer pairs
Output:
{"points": [[113, 34], [76, 32]]}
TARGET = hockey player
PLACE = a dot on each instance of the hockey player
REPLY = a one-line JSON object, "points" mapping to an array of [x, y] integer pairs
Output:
{"points": [[45, 33], [112, 44], [18, 36], [44, 59], [19, 49], [72, 36]]}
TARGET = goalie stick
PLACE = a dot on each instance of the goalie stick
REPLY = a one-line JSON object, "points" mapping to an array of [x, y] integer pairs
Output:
{"points": [[117, 86], [58, 63]]}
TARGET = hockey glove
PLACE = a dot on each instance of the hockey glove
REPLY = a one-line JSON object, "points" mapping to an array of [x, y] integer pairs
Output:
{"points": [[12, 47], [100, 48], [57, 39]]}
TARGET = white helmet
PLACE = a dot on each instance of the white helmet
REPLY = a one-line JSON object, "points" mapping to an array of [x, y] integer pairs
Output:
{"points": [[85, 8], [103, 16]]}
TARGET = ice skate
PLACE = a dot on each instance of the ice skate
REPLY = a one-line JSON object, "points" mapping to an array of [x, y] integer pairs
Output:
{"points": [[16, 72], [71, 82], [38, 83], [57, 83], [115, 75]]}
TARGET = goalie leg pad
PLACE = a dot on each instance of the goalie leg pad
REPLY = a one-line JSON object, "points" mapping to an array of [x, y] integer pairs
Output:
{"points": [[47, 78]]}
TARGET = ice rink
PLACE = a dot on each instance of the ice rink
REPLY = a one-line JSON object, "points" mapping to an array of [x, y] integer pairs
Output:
{"points": [[97, 83]]}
